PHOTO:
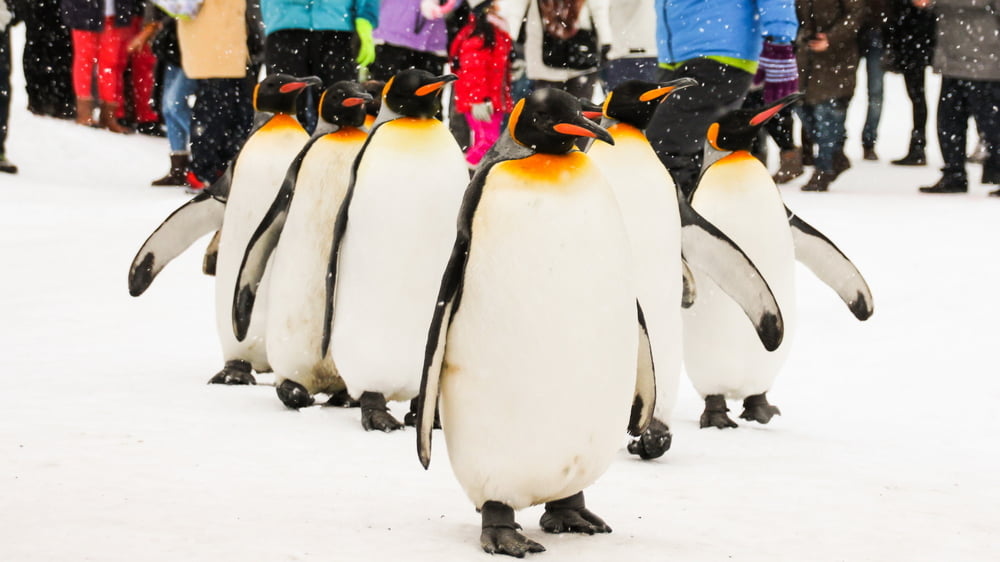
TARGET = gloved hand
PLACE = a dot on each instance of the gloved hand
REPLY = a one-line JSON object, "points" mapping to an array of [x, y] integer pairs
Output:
{"points": [[366, 49], [483, 111], [781, 72]]}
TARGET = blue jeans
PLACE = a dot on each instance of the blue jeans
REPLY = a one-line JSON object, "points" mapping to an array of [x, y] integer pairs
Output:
{"points": [[871, 50], [825, 123], [177, 87]]}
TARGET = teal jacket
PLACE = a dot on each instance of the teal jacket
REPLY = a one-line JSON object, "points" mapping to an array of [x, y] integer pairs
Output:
{"points": [[317, 15]]}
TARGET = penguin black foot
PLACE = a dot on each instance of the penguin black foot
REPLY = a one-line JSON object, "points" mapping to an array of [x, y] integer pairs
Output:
{"points": [[756, 408], [342, 399], [653, 442], [500, 534], [375, 414], [294, 395], [570, 515], [715, 413], [235, 372], [410, 418]]}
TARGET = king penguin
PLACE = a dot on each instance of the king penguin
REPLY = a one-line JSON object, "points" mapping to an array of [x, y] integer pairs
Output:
{"points": [[236, 203], [736, 193], [391, 241], [651, 207], [298, 229], [537, 350]]}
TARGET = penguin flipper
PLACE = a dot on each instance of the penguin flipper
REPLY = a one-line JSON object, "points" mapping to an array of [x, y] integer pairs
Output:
{"points": [[449, 299], [708, 249], [644, 400], [261, 245], [690, 291], [194, 219], [827, 262]]}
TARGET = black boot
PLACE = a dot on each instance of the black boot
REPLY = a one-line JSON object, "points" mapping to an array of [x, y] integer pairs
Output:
{"points": [[177, 176], [995, 193], [841, 163], [950, 182], [819, 181], [916, 156], [869, 153], [808, 152]]}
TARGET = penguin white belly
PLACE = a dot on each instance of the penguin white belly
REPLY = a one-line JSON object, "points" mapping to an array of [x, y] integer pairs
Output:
{"points": [[648, 201], [401, 228], [257, 176], [296, 315], [722, 353], [540, 364]]}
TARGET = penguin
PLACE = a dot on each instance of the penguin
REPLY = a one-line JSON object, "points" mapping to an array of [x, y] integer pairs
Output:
{"points": [[392, 238], [298, 230], [651, 207], [235, 203], [537, 350], [736, 193]]}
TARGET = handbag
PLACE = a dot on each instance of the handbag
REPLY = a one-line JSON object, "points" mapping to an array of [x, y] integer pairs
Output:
{"points": [[579, 52]]}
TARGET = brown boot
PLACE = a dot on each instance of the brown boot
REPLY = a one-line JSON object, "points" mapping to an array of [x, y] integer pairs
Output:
{"points": [[791, 166], [109, 121], [177, 176], [85, 111]]}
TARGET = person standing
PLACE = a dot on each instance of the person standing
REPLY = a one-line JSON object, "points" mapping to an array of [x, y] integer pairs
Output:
{"points": [[828, 66], [48, 59], [871, 44], [99, 32], [717, 43], [910, 48], [967, 55]]}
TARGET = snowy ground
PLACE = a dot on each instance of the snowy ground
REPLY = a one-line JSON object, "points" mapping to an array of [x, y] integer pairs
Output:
{"points": [[112, 448]]}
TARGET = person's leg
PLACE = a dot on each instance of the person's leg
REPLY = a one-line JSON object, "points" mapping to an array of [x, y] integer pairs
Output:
{"points": [[111, 59], [221, 118], [952, 123], [619, 70], [177, 89], [85, 44], [984, 101], [5, 165], [872, 42], [913, 77], [677, 130], [333, 56], [389, 59], [143, 65], [289, 51]]}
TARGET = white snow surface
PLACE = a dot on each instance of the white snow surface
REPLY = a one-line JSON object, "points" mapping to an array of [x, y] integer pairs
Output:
{"points": [[113, 448]]}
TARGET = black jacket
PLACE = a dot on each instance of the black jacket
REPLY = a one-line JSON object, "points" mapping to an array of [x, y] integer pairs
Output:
{"points": [[88, 15]]}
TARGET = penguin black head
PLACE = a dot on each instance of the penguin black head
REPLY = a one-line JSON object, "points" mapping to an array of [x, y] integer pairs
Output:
{"points": [[550, 121], [633, 102], [737, 129], [343, 104], [415, 93], [277, 93], [374, 89]]}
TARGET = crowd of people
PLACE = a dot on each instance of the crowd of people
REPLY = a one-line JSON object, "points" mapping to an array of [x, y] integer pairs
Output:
{"points": [[185, 69]]}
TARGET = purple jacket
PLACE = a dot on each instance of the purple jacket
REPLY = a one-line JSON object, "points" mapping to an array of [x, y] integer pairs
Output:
{"points": [[401, 23]]}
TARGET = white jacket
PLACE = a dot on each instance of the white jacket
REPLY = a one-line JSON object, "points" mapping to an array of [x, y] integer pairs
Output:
{"points": [[633, 23], [514, 11]]}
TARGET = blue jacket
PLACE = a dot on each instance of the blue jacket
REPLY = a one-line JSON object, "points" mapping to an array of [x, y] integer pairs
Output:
{"points": [[317, 15], [687, 29]]}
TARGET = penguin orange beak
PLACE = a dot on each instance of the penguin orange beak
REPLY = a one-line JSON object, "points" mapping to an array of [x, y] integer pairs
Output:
{"points": [[668, 88], [435, 86], [300, 84], [774, 108], [355, 101], [583, 127], [591, 110]]}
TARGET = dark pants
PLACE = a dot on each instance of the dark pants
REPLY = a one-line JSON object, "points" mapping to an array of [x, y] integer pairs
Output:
{"points": [[913, 77], [961, 99], [826, 123], [871, 49], [4, 88], [300, 52], [220, 121], [48, 59], [617, 71], [677, 130], [390, 59]]}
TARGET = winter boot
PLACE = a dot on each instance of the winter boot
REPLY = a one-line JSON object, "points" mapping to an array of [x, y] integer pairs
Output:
{"points": [[916, 156], [950, 182], [820, 181], [109, 121], [177, 176], [840, 163], [791, 166], [6, 166], [869, 153], [994, 193], [808, 152], [85, 112]]}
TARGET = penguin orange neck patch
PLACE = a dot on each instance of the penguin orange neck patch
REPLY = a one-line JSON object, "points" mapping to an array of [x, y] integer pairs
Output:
{"points": [[349, 134], [549, 168], [624, 130], [282, 121], [737, 156]]}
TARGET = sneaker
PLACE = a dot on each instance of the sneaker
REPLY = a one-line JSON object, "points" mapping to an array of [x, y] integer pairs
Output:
{"points": [[869, 153], [195, 186], [6, 166], [947, 184]]}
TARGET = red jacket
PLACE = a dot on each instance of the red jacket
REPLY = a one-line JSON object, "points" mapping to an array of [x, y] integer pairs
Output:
{"points": [[482, 73]]}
